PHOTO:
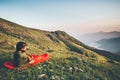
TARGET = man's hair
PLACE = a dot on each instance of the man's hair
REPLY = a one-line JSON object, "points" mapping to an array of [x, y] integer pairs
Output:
{"points": [[20, 45]]}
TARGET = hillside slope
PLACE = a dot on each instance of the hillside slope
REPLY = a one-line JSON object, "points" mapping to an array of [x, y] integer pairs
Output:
{"points": [[70, 59]]}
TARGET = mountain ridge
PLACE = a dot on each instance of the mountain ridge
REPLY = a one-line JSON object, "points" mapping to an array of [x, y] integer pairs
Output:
{"points": [[93, 37], [57, 37]]}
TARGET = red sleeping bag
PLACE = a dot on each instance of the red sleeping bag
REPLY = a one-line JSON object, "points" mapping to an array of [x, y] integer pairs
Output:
{"points": [[37, 59]]}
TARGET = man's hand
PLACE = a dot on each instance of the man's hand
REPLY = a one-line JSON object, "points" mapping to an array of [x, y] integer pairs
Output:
{"points": [[32, 61]]}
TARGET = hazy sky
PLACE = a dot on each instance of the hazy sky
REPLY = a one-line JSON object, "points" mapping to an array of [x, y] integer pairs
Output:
{"points": [[73, 16]]}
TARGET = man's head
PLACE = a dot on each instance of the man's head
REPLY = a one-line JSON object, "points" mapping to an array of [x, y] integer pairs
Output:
{"points": [[21, 46]]}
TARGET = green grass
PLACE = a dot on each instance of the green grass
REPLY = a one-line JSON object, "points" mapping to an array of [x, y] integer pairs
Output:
{"points": [[65, 66]]}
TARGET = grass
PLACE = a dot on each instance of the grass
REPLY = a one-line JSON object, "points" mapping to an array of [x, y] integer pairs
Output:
{"points": [[61, 67]]}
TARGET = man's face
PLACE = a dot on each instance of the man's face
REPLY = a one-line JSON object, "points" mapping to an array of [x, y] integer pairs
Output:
{"points": [[24, 49]]}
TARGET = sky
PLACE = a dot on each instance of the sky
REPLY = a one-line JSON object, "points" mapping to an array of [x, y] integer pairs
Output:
{"points": [[75, 17]]}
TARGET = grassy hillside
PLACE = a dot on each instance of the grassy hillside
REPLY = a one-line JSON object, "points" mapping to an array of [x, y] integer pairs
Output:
{"points": [[70, 59]]}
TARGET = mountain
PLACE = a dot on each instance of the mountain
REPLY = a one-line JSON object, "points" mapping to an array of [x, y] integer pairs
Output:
{"points": [[70, 59], [112, 44], [93, 37]]}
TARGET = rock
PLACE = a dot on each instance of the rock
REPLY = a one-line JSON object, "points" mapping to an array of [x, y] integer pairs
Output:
{"points": [[41, 75]]}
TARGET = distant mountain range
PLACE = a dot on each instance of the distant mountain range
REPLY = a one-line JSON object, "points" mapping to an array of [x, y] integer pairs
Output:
{"points": [[112, 44], [93, 37], [109, 41], [70, 59]]}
